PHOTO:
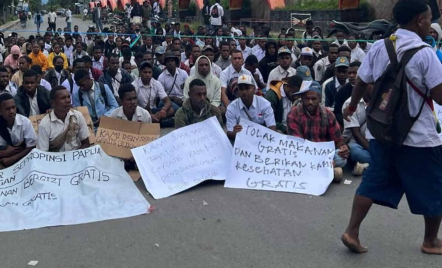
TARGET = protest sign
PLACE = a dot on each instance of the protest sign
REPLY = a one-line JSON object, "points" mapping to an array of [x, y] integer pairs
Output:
{"points": [[184, 158], [438, 111], [263, 159], [118, 136], [36, 119], [50, 189]]}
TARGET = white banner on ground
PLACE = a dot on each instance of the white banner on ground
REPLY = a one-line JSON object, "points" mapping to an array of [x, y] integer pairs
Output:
{"points": [[184, 158], [50, 189], [263, 159]]}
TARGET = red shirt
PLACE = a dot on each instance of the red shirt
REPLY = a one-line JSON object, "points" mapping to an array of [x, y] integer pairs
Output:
{"points": [[319, 127]]}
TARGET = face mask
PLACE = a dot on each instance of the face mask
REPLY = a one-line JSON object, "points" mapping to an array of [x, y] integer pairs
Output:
{"points": [[58, 68]]}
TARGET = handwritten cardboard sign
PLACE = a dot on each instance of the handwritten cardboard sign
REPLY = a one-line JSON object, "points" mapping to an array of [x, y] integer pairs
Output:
{"points": [[51, 189], [184, 158], [263, 159], [36, 119], [118, 136]]}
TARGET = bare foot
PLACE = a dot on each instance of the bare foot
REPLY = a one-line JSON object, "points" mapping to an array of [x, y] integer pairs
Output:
{"points": [[432, 248], [353, 244]]}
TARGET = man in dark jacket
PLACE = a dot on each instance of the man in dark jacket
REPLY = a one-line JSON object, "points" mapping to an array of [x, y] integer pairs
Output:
{"points": [[281, 95], [270, 60], [197, 108], [32, 99], [147, 10], [114, 76]]}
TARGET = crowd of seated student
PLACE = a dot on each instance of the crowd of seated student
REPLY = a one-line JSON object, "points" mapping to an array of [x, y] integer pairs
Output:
{"points": [[174, 82]]}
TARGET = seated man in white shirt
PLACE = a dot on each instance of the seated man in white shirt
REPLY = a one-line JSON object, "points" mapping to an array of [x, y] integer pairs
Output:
{"points": [[62, 129], [284, 70], [248, 106], [17, 135], [148, 90], [357, 54], [129, 110]]}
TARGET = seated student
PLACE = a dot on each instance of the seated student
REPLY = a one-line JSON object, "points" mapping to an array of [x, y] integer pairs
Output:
{"points": [[306, 59], [93, 72], [248, 106], [345, 92], [148, 90], [32, 99], [69, 83], [24, 64], [58, 74], [212, 83], [312, 121], [173, 80], [57, 53], [5, 86], [114, 76], [339, 80], [343, 51], [197, 107], [97, 97], [40, 80], [63, 129], [99, 62], [355, 133], [284, 69], [17, 135], [129, 110], [281, 96], [38, 58]]}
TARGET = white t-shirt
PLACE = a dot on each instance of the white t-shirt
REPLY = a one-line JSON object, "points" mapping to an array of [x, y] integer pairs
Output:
{"points": [[52, 16], [69, 16], [424, 70], [217, 21]]}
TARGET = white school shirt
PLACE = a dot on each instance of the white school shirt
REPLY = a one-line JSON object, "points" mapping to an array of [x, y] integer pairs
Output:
{"points": [[424, 70], [344, 43], [33, 104], [357, 54], [258, 52], [147, 93], [10, 89], [358, 119], [68, 51], [279, 73], [68, 87], [260, 112], [44, 83], [172, 86], [141, 115], [230, 73], [69, 16], [320, 67], [246, 52], [51, 127], [22, 131]]}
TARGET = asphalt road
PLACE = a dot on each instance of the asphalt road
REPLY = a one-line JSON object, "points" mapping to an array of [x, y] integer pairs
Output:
{"points": [[238, 228]]}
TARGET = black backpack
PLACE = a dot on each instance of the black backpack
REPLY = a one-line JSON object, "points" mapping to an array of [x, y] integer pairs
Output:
{"points": [[388, 117], [103, 93], [38, 18]]}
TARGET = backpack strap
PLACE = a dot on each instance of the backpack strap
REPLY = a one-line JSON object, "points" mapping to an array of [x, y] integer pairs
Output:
{"points": [[391, 50], [103, 93]]}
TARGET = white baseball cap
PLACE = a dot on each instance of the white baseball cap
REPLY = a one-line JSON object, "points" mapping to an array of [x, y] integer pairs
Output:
{"points": [[306, 51], [245, 80]]}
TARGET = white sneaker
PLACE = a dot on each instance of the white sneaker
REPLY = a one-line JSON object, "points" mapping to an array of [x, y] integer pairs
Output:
{"points": [[359, 169], [338, 174]]}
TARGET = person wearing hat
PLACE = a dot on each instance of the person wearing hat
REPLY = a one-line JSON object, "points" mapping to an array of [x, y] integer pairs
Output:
{"points": [[284, 69], [173, 79], [306, 59], [159, 57], [197, 107], [248, 106], [339, 80], [209, 52], [281, 96], [312, 121]]}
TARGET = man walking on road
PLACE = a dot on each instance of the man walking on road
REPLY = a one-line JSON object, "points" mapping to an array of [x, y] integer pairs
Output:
{"points": [[68, 19], [413, 168], [52, 18], [38, 20]]}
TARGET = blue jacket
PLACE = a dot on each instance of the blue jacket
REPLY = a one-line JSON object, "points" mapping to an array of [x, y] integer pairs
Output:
{"points": [[35, 18], [100, 105]]}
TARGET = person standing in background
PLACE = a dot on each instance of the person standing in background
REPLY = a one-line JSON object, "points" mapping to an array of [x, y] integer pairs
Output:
{"points": [[52, 18], [68, 19], [38, 20]]}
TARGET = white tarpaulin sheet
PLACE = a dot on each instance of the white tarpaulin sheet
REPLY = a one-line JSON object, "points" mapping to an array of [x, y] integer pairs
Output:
{"points": [[263, 159], [49, 189], [184, 158]]}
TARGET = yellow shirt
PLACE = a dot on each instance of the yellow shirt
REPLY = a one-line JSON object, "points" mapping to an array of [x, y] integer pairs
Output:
{"points": [[39, 59], [51, 60]]}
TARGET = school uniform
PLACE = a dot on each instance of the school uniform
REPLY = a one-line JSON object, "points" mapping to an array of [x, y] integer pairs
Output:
{"points": [[21, 132]]}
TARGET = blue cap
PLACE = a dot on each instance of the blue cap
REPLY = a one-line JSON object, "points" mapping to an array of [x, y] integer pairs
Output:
{"points": [[304, 72], [342, 62]]}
